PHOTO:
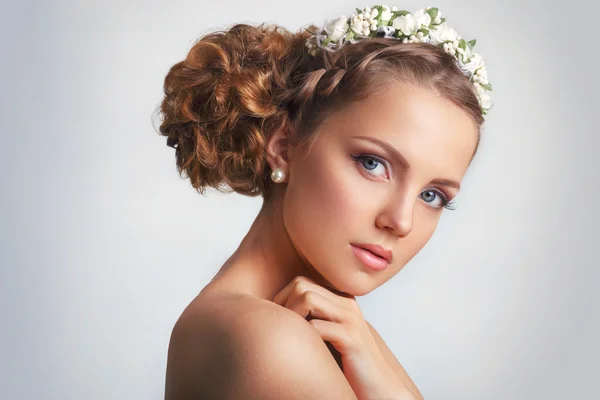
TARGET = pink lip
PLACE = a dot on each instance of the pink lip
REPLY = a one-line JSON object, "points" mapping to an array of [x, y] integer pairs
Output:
{"points": [[369, 259], [377, 250]]}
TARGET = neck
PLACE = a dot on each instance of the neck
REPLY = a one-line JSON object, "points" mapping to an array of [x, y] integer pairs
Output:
{"points": [[266, 259]]}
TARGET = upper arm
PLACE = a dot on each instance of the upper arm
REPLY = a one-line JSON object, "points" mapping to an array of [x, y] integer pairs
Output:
{"points": [[263, 354], [394, 363], [282, 357]]}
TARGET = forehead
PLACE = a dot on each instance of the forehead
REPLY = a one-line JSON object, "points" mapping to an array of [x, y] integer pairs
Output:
{"points": [[429, 130]]}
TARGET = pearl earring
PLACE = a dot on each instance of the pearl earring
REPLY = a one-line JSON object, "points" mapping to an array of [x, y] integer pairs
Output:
{"points": [[277, 175]]}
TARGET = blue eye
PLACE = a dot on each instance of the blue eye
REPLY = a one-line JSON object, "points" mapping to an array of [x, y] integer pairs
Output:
{"points": [[370, 164], [445, 203]]}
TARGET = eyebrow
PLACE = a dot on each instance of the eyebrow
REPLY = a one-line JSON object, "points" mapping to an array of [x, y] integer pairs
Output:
{"points": [[402, 160]]}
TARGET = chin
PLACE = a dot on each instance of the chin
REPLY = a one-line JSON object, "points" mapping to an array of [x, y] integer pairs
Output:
{"points": [[357, 287], [361, 291]]}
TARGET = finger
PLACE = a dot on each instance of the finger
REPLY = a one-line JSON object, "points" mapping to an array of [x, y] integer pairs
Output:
{"points": [[334, 333], [317, 306], [301, 284], [298, 284]]}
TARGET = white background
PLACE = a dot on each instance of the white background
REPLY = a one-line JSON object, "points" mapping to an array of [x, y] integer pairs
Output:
{"points": [[102, 245]]}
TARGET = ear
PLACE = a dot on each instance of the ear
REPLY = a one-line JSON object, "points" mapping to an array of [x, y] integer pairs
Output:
{"points": [[277, 150]]}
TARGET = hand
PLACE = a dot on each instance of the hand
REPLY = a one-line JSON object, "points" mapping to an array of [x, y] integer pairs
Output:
{"points": [[338, 320]]}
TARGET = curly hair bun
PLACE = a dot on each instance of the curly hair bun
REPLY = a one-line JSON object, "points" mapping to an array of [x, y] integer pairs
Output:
{"points": [[219, 104]]}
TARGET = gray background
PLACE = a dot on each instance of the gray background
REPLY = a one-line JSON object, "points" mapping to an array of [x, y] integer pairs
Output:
{"points": [[102, 244]]}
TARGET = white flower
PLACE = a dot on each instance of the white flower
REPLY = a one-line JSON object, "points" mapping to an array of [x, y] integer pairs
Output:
{"points": [[444, 33], [422, 19], [394, 8], [466, 54], [476, 62], [482, 72], [356, 23], [484, 97], [386, 15], [405, 23], [338, 28]]}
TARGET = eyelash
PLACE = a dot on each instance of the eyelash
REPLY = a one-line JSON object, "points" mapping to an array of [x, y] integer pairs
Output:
{"points": [[449, 205]]}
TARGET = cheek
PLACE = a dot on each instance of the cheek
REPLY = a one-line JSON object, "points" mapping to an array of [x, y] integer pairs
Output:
{"points": [[323, 213], [319, 198]]}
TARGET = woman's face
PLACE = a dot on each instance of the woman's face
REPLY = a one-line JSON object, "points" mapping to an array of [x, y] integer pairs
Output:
{"points": [[373, 176]]}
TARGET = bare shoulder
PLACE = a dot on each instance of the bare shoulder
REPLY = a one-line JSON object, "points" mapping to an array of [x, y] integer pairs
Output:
{"points": [[238, 346]]}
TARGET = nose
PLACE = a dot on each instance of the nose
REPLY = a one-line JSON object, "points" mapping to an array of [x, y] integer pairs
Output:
{"points": [[397, 217]]}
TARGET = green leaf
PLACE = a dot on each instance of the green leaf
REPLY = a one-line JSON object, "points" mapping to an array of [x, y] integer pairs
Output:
{"points": [[471, 43], [350, 35], [380, 10], [326, 41], [401, 12], [487, 87], [462, 44], [433, 12], [442, 20], [358, 11], [425, 31]]}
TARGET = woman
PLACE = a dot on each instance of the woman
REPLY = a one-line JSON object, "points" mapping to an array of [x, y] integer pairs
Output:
{"points": [[357, 137]]}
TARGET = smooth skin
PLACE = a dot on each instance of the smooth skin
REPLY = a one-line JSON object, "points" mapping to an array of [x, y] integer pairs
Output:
{"points": [[377, 173]]}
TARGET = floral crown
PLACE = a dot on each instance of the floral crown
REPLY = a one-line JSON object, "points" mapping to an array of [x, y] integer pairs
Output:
{"points": [[423, 26]]}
